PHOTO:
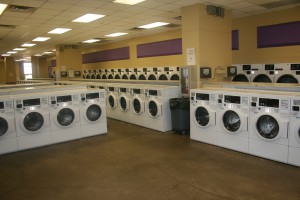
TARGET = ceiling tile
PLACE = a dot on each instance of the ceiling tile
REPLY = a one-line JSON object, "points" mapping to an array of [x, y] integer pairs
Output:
{"points": [[29, 3], [52, 5]]}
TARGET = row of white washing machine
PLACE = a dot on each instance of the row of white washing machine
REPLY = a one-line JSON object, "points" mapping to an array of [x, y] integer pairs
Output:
{"points": [[43, 118], [143, 105], [268, 73], [260, 123], [150, 73]]}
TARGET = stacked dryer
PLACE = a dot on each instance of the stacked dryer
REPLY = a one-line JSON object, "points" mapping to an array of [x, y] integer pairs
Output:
{"points": [[287, 73], [263, 73], [244, 73]]}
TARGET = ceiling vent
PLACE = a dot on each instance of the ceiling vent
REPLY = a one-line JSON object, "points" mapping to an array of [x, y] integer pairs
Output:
{"points": [[178, 18], [165, 26], [172, 25], [21, 9], [277, 4], [7, 26]]}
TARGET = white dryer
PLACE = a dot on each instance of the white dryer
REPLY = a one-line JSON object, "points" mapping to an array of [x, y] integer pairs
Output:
{"points": [[93, 112], [112, 96], [152, 73], [32, 120], [88, 74], [132, 73], [157, 106], [125, 74], [8, 135], [164, 73], [137, 100], [118, 74], [111, 73], [174, 73], [233, 120], [103, 73], [269, 119], [203, 109], [244, 73], [124, 103], [93, 74], [263, 73], [84, 74], [142, 73], [65, 116], [287, 73], [98, 74], [294, 132]]}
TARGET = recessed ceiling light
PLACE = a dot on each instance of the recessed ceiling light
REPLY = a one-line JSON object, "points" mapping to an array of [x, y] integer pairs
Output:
{"points": [[115, 34], [53, 49], [88, 18], [59, 30], [128, 2], [2, 7], [27, 45], [5, 54], [91, 41], [38, 54], [19, 49], [41, 39], [153, 25], [11, 52], [48, 52]]}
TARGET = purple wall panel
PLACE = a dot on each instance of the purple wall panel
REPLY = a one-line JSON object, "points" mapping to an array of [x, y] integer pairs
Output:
{"points": [[286, 34], [53, 63], [235, 39], [107, 55], [162, 48]]}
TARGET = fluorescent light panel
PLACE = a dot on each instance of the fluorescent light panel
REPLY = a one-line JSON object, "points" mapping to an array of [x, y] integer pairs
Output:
{"points": [[11, 52], [47, 52], [91, 41], [19, 49], [27, 45], [153, 25], [5, 54], [115, 34], [88, 18], [59, 30], [128, 2], [2, 7], [41, 39]]}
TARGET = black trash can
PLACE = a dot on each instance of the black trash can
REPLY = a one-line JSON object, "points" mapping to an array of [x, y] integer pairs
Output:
{"points": [[180, 114]]}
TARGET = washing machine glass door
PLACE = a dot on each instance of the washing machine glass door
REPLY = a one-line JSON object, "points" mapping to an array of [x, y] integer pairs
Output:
{"points": [[174, 77], [163, 77], [124, 105], [124, 76], [3, 126], [104, 76], [231, 121], [142, 77], [117, 76], [267, 127], [93, 113], [88, 76], [132, 77], [152, 77], [262, 78], [137, 106], [112, 104], [33, 121], [65, 117], [110, 76], [93, 76], [287, 78], [153, 109], [98, 76], [202, 116], [240, 78]]}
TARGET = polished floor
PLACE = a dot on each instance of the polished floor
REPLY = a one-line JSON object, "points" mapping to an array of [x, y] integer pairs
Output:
{"points": [[136, 163]]}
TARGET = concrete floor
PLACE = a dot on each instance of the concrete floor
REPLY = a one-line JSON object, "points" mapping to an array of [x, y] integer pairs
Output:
{"points": [[132, 162]]}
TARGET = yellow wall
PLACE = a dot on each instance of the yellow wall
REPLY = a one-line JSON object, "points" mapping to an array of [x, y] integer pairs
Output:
{"points": [[173, 60], [248, 51], [2, 72], [43, 68], [10, 70]]}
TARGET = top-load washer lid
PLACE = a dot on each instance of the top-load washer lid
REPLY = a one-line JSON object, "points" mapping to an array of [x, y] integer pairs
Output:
{"points": [[152, 77], [117, 76], [174, 77], [65, 117], [33, 121], [3, 126], [240, 78], [262, 78], [104, 76], [287, 79], [142, 77], [132, 77], [153, 108], [267, 126], [124, 76], [137, 107], [93, 113], [231, 121], [202, 116]]}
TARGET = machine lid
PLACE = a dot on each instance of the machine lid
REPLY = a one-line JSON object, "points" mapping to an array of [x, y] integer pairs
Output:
{"points": [[104, 76], [33, 121], [93, 113], [132, 77], [3, 126], [231, 121], [65, 117], [142, 77], [152, 77], [262, 78], [117, 76], [287, 78], [174, 77], [137, 105], [123, 103], [110, 76], [124, 76], [163, 77], [153, 108], [240, 78], [267, 126], [202, 116], [111, 101]]}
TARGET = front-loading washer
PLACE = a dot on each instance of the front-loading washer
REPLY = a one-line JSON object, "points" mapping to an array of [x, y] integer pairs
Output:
{"points": [[32, 120], [124, 103], [269, 119], [233, 120], [93, 112], [64, 115], [137, 101], [294, 131], [112, 96], [203, 109], [158, 107], [8, 134], [244, 73], [287, 73], [263, 73]]}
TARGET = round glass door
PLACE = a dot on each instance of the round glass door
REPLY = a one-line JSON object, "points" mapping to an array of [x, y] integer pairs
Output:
{"points": [[123, 103], [175, 77], [93, 76], [33, 121], [98, 76], [153, 109], [287, 79], [117, 76], [3, 126], [124, 76], [88, 76], [65, 117], [111, 101], [93, 113], [137, 107], [240, 78], [262, 78], [104, 76], [151, 77], [231, 121], [142, 77], [267, 126], [163, 77], [202, 116], [132, 77], [110, 76]]}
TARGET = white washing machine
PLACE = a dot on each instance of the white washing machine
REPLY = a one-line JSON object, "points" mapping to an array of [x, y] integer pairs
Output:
{"points": [[263, 73], [203, 109], [269, 120], [65, 116], [8, 134], [124, 103], [244, 73], [93, 112], [287, 73], [294, 132], [157, 106], [137, 100], [174, 73], [112, 96], [233, 120], [32, 120]]}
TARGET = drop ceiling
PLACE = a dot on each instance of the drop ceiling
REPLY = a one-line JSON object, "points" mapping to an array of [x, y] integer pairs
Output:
{"points": [[17, 28]]}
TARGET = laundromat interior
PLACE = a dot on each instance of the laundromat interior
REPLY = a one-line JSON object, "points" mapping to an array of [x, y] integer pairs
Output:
{"points": [[149, 99]]}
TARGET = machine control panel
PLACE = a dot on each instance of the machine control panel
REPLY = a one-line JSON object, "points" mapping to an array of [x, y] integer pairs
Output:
{"points": [[269, 67], [232, 99], [246, 67], [136, 91], [65, 98], [123, 90], [31, 102], [1, 105], [202, 96], [273, 103], [295, 66], [153, 92], [94, 95]]}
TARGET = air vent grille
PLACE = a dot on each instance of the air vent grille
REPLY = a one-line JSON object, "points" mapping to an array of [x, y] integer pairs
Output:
{"points": [[277, 4], [21, 9], [7, 26]]}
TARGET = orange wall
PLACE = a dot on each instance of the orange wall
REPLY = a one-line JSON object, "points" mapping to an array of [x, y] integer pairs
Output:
{"points": [[248, 51]]}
